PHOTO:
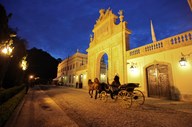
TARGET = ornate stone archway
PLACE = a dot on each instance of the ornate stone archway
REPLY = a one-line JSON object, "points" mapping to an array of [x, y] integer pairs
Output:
{"points": [[111, 38]]}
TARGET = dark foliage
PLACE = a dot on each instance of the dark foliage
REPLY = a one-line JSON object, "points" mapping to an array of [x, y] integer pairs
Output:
{"points": [[42, 65], [7, 94], [5, 30], [3, 23], [14, 72], [10, 72], [9, 106]]}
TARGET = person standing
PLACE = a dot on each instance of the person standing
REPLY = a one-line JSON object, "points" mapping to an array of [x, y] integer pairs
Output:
{"points": [[115, 86]]}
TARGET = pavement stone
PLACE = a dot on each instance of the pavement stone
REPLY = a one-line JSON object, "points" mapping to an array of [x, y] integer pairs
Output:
{"points": [[38, 109], [169, 104]]}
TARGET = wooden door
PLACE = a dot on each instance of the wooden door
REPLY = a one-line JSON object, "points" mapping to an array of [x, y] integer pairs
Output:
{"points": [[158, 81]]}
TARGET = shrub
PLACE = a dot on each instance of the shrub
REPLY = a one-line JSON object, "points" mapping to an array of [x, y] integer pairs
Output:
{"points": [[8, 93], [7, 108]]}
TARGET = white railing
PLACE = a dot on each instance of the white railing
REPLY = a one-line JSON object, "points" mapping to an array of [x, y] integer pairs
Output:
{"points": [[179, 40]]}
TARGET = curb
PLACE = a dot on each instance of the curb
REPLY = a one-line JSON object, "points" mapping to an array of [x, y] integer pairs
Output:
{"points": [[13, 118]]}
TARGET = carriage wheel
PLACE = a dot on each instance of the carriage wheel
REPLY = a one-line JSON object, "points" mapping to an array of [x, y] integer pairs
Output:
{"points": [[125, 99], [138, 97], [103, 96]]}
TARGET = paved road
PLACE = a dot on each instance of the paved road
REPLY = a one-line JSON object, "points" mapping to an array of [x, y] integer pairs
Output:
{"points": [[70, 107]]}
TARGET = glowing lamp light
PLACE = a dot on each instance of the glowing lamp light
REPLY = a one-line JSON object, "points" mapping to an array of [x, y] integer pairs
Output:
{"points": [[183, 61], [24, 64], [102, 75], [7, 50], [31, 76], [134, 71], [85, 76], [132, 68]]}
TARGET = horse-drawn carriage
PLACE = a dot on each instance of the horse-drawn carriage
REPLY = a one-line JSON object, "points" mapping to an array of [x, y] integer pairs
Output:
{"points": [[126, 94]]}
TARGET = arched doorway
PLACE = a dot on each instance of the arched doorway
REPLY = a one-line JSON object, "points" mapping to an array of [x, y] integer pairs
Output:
{"points": [[104, 68], [158, 83]]}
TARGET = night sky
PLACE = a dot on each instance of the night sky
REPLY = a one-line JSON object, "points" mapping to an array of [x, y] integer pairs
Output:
{"points": [[60, 27]]}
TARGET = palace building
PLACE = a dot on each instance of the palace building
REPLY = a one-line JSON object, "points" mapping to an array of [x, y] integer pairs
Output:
{"points": [[163, 68]]}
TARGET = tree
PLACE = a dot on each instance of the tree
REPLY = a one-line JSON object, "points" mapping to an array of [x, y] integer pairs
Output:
{"points": [[42, 65], [14, 73], [10, 73], [3, 23]]}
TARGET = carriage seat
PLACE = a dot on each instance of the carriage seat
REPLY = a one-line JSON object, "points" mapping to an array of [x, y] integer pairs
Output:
{"points": [[129, 86]]}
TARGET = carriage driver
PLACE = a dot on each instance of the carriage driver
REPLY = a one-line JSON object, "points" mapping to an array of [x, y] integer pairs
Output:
{"points": [[115, 86]]}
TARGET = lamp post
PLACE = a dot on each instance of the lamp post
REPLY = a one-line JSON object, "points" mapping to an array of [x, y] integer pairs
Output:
{"points": [[24, 66], [6, 49], [31, 80], [24, 63]]}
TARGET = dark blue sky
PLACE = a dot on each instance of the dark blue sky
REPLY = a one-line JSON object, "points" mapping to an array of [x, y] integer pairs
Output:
{"points": [[60, 27]]}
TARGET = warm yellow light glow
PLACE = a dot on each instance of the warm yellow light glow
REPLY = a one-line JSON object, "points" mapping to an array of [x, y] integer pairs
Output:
{"points": [[132, 68], [6, 47], [85, 76], [31, 76], [134, 71], [36, 78], [183, 61], [103, 75], [7, 50], [24, 64]]}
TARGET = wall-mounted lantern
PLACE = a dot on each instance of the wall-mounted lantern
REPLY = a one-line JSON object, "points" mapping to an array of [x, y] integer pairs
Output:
{"points": [[183, 60], [133, 66]]}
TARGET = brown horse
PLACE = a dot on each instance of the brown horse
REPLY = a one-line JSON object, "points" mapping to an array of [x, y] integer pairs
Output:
{"points": [[93, 86]]}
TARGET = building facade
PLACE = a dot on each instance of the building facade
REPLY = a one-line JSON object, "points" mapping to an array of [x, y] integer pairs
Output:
{"points": [[190, 4], [73, 70], [155, 66]]}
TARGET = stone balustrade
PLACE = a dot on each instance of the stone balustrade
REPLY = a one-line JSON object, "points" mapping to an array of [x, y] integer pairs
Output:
{"points": [[179, 40]]}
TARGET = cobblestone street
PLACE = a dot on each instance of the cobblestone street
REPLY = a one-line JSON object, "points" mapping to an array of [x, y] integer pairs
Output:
{"points": [[64, 106]]}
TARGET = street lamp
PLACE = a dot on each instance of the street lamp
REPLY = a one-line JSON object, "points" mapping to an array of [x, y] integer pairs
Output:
{"points": [[6, 48], [24, 64], [31, 77]]}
